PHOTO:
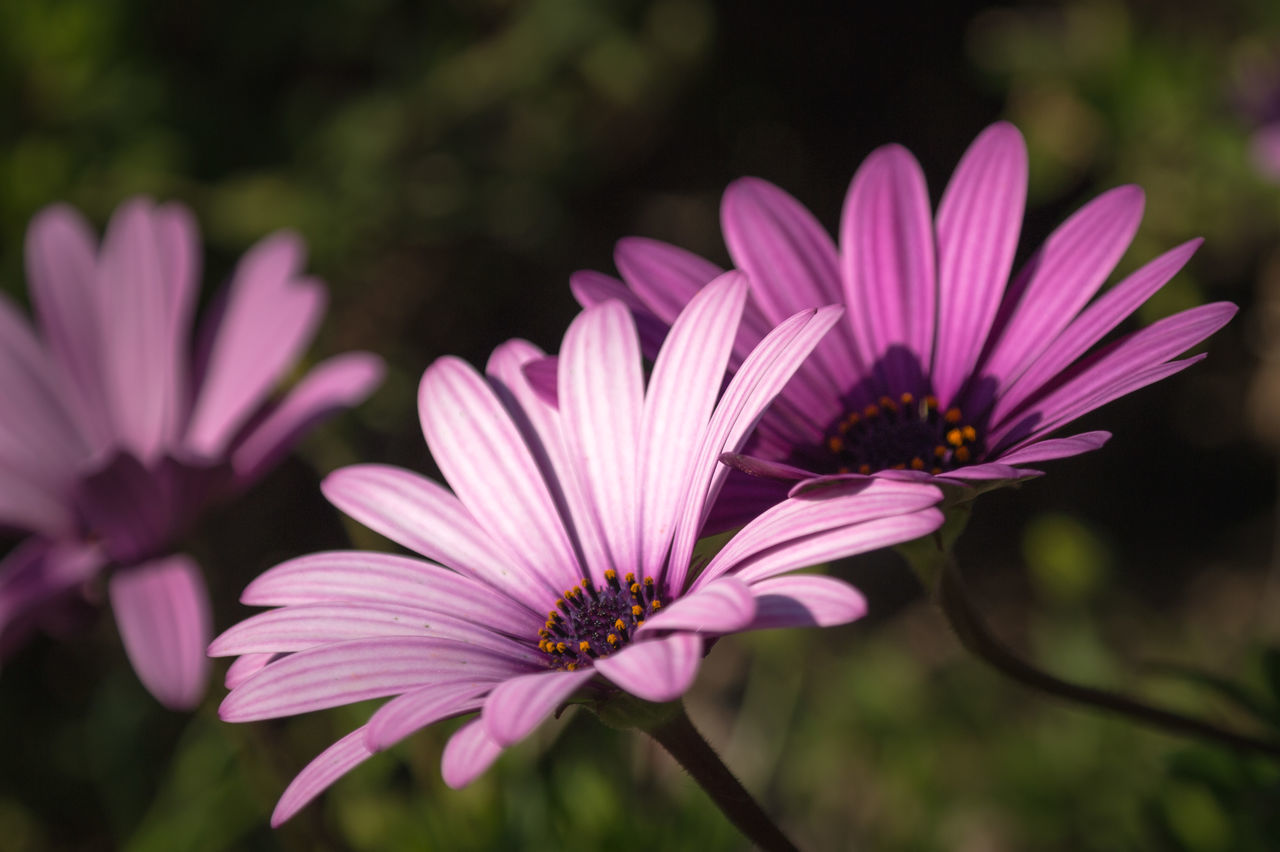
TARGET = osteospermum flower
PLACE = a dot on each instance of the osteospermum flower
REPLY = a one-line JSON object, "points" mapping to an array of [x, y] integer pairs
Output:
{"points": [[944, 369], [560, 562], [117, 427]]}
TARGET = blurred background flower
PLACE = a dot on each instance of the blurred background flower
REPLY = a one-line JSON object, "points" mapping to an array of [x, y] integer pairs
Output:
{"points": [[450, 164]]}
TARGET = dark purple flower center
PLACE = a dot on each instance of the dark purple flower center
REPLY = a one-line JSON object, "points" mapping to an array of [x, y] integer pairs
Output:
{"points": [[903, 434], [589, 622]]}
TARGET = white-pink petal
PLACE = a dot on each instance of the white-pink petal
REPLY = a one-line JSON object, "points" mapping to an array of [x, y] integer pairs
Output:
{"points": [[413, 711], [805, 600], [721, 606], [517, 706], [330, 765], [469, 752], [656, 669]]}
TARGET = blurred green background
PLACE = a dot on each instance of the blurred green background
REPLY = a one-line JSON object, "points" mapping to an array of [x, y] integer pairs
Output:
{"points": [[451, 163]]}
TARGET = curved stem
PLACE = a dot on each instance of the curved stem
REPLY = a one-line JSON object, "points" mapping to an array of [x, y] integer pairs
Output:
{"points": [[977, 637], [683, 742]]}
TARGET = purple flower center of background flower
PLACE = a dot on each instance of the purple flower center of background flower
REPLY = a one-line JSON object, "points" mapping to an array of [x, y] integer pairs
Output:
{"points": [[902, 434], [589, 622]]}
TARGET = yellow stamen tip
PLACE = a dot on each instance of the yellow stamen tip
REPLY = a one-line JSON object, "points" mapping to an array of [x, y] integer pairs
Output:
{"points": [[917, 463], [931, 401], [939, 451], [636, 610], [871, 411], [657, 604], [907, 399], [610, 574], [835, 444], [970, 433], [584, 646], [612, 640], [955, 438], [571, 667], [619, 625], [962, 454], [953, 415], [864, 469]]}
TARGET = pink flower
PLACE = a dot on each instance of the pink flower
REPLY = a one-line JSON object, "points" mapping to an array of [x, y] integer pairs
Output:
{"points": [[118, 428], [560, 562], [945, 369]]}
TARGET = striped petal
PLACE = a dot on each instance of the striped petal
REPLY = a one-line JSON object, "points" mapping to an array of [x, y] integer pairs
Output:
{"points": [[656, 670], [805, 600], [517, 706], [469, 752], [413, 711], [722, 606], [886, 241], [346, 672], [330, 765], [979, 219]]}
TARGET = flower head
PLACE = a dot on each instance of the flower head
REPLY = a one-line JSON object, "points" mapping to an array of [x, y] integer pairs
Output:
{"points": [[119, 427], [560, 561], [944, 369]]}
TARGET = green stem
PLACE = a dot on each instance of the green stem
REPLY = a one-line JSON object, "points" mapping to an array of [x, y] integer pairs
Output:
{"points": [[977, 637], [681, 739]]}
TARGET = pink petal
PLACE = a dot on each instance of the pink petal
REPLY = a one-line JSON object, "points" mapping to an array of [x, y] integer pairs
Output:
{"points": [[37, 433], [683, 387], [357, 670], [1061, 279], [667, 278], [483, 456], [333, 385], [979, 218], [296, 628], [805, 600], [1121, 367], [601, 397], [790, 260], [37, 571], [361, 576], [835, 513], [61, 266], [543, 376], [655, 670], [271, 314], [1092, 325], [759, 380], [764, 467], [331, 764], [1055, 448], [163, 614], [420, 514], [469, 752], [725, 605], [517, 706], [27, 504], [592, 288], [413, 711], [140, 356], [886, 241], [543, 428], [245, 667]]}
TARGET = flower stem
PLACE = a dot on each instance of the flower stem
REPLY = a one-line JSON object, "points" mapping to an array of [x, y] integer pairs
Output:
{"points": [[978, 638], [683, 742]]}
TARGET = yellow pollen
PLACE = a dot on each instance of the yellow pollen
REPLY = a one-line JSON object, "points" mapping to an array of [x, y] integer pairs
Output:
{"points": [[612, 640], [610, 574], [900, 466], [907, 399], [637, 610], [631, 578], [657, 604], [936, 471], [835, 444], [953, 415], [970, 434], [917, 463], [955, 437], [939, 451], [962, 454], [619, 625], [931, 401], [864, 469], [871, 411], [639, 622], [584, 646], [852, 420], [648, 582], [888, 404], [561, 647], [571, 667], [635, 589]]}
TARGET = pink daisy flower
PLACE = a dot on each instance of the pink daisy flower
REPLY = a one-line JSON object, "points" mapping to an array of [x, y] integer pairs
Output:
{"points": [[560, 561], [114, 436], [944, 368]]}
